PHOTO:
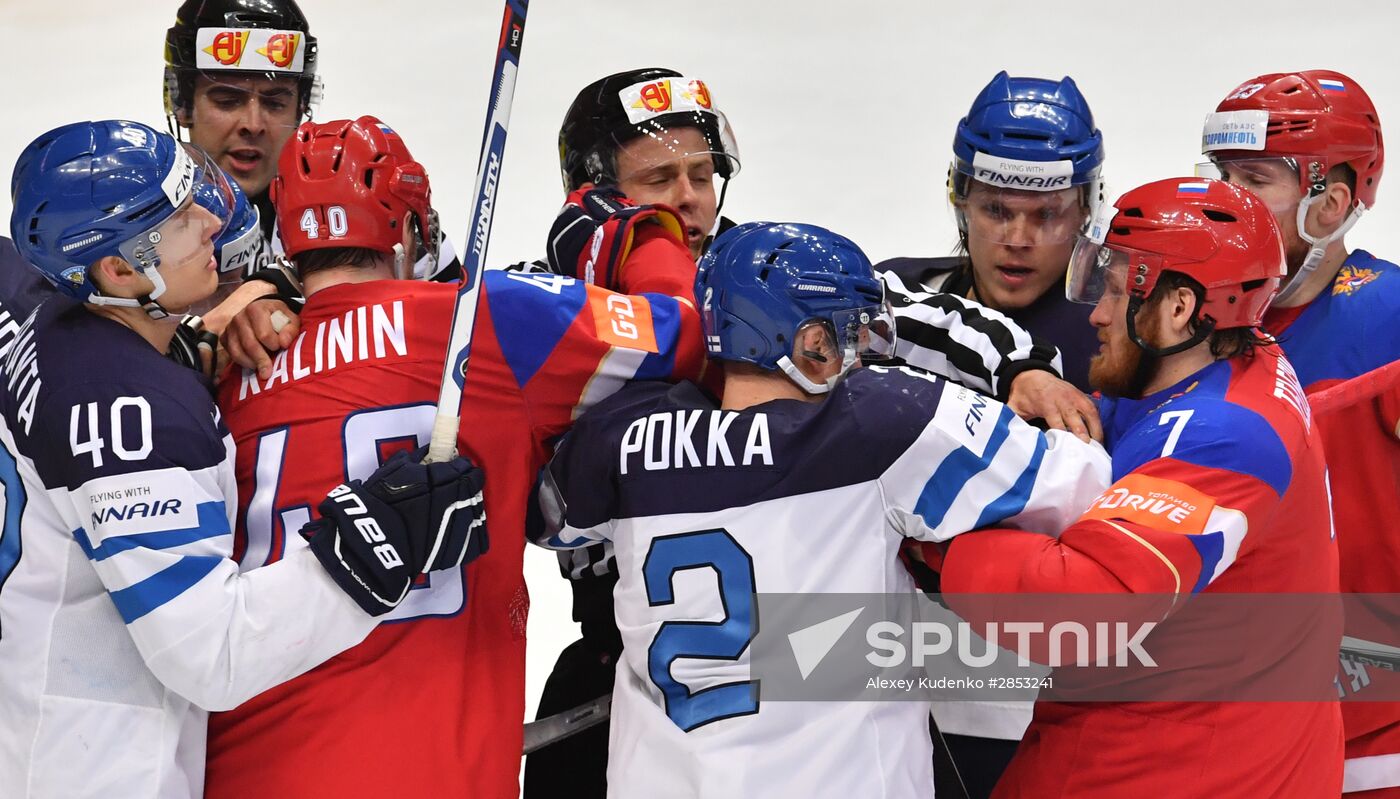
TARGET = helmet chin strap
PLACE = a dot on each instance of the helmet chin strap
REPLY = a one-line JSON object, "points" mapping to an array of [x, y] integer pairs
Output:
{"points": [[400, 259], [1318, 249], [1204, 327], [146, 302], [807, 384]]}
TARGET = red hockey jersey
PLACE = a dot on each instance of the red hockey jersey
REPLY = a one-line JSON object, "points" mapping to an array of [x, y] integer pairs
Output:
{"points": [[432, 703], [1230, 451], [1348, 330]]}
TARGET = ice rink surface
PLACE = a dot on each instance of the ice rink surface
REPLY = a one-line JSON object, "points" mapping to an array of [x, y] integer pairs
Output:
{"points": [[844, 111]]}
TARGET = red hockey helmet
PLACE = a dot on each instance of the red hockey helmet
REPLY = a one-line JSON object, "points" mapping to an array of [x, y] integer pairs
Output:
{"points": [[1318, 118], [1219, 234], [348, 184]]}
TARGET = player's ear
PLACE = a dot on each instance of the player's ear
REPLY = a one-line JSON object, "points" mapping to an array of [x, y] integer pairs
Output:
{"points": [[814, 352], [1176, 309], [114, 276]]}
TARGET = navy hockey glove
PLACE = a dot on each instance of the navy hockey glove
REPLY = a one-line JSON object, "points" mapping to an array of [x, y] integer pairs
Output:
{"points": [[409, 518], [596, 231]]}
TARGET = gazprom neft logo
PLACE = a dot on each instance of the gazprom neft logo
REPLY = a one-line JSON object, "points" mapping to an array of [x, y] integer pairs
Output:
{"points": [[1234, 130], [1011, 173]]}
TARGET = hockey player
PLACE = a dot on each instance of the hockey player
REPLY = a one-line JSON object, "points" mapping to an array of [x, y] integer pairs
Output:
{"points": [[441, 692], [123, 619], [240, 75], [798, 451], [1024, 182], [1309, 145], [1203, 413], [659, 137]]}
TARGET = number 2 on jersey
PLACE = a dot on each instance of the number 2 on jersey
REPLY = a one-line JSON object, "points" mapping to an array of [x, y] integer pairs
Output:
{"points": [[708, 640]]}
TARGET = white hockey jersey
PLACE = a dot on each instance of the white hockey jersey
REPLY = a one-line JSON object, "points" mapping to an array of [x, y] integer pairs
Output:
{"points": [[122, 618], [708, 507]]}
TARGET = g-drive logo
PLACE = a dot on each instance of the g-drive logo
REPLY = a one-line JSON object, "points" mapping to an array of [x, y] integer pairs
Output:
{"points": [[1010, 173]]}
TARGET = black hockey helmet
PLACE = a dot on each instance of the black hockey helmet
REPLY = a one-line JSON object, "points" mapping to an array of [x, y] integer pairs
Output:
{"points": [[640, 102], [270, 38]]}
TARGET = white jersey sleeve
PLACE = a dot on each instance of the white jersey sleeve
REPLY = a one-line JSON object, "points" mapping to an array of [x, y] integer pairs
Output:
{"points": [[976, 463], [148, 486]]}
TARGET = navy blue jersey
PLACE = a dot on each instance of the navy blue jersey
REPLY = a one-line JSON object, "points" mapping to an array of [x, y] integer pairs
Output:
{"points": [[22, 288], [122, 616], [706, 507]]}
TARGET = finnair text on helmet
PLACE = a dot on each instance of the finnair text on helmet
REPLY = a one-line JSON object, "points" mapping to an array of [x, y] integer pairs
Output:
{"points": [[488, 200], [1013, 173], [1065, 643]]}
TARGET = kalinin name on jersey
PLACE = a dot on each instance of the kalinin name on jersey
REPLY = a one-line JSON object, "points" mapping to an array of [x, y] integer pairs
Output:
{"points": [[369, 332], [677, 439]]}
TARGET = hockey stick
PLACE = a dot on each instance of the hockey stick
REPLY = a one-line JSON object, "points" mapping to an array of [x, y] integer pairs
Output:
{"points": [[443, 443], [553, 729], [1356, 390]]}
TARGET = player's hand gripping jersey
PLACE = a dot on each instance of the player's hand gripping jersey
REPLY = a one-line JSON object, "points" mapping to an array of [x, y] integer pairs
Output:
{"points": [[441, 694], [124, 620], [1347, 331], [706, 507], [1233, 444]]}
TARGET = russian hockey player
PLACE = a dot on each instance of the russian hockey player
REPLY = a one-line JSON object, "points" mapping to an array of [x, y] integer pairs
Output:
{"points": [[1309, 145], [361, 379], [1202, 414]]}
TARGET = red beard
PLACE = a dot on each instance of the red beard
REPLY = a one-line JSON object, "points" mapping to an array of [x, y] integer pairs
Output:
{"points": [[1115, 370]]}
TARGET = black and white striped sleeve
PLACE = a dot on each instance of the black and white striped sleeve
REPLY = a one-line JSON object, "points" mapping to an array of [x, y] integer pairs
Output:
{"points": [[963, 340]]}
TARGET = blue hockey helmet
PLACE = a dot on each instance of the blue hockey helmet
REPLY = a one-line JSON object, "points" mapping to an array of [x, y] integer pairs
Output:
{"points": [[240, 247], [89, 190], [762, 282], [1018, 123], [1029, 135]]}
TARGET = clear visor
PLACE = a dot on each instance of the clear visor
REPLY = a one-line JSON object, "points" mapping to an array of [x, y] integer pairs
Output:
{"points": [[865, 335], [186, 236], [1273, 179], [700, 143], [1096, 271], [1020, 218]]}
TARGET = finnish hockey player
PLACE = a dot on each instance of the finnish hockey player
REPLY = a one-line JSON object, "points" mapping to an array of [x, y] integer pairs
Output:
{"points": [[799, 451], [661, 137], [360, 380], [1205, 415], [1309, 144], [123, 618]]}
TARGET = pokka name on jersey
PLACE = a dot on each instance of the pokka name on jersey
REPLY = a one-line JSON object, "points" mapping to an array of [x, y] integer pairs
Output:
{"points": [[21, 364], [692, 439], [367, 333]]}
